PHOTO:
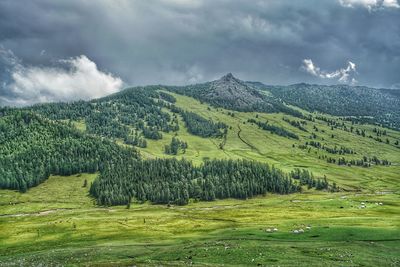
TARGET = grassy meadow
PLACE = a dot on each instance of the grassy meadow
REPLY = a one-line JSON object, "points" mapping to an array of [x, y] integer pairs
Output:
{"points": [[275, 150], [67, 228], [58, 224]]}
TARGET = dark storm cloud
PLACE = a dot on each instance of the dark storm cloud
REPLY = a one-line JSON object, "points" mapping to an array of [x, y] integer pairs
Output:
{"points": [[179, 42]]}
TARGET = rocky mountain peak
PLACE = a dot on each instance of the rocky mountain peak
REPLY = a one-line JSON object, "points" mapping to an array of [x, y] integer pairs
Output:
{"points": [[228, 78]]}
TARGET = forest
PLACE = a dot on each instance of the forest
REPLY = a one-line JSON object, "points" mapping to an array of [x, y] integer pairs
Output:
{"points": [[34, 147], [358, 104], [172, 181], [274, 129]]}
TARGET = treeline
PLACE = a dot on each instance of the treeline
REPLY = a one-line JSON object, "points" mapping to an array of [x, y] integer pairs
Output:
{"points": [[274, 129], [167, 97], [174, 147], [32, 148], [305, 177], [135, 140], [358, 104], [134, 111], [171, 181], [200, 126], [378, 133], [335, 150], [197, 125], [298, 124], [363, 162]]}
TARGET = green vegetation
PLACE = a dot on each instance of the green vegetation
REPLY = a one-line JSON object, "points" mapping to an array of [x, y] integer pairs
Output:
{"points": [[161, 158], [175, 146], [360, 104], [274, 129], [130, 114], [32, 148], [197, 125], [169, 181], [57, 223]]}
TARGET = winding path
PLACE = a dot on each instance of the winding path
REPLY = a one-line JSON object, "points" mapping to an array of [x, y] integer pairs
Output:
{"points": [[247, 143]]}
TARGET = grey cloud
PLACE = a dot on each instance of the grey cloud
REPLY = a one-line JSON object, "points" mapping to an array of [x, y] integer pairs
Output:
{"points": [[179, 42]]}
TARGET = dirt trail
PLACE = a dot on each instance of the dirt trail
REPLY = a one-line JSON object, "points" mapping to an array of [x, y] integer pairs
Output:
{"points": [[247, 143], [40, 213]]}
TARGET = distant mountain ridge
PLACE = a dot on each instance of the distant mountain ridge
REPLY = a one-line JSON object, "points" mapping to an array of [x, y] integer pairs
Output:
{"points": [[382, 106], [364, 104]]}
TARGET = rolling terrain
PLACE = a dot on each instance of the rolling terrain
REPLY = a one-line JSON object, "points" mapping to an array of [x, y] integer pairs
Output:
{"points": [[68, 219]]}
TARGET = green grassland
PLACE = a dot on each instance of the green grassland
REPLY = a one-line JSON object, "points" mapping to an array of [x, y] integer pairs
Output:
{"points": [[279, 151], [67, 228], [58, 223]]}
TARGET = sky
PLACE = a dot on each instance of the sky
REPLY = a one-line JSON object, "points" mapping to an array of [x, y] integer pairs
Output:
{"points": [[81, 49]]}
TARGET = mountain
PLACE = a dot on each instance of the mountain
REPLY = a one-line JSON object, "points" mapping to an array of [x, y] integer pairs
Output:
{"points": [[210, 173], [231, 93], [232, 90], [381, 106]]}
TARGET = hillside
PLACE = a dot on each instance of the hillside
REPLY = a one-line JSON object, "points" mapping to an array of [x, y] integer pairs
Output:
{"points": [[163, 124], [231, 93], [183, 176], [32, 148], [381, 106]]}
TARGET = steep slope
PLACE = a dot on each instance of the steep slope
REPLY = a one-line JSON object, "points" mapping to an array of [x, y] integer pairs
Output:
{"points": [[229, 89], [231, 93], [32, 148], [376, 105]]}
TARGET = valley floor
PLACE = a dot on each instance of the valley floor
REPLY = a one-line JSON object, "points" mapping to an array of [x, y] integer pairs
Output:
{"points": [[58, 224]]}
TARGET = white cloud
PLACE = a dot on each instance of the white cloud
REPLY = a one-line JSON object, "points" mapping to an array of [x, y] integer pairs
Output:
{"points": [[343, 75], [391, 3], [370, 4], [75, 78]]}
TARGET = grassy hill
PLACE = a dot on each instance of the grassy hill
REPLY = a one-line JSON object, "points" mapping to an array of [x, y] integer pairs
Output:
{"points": [[246, 140], [59, 222]]}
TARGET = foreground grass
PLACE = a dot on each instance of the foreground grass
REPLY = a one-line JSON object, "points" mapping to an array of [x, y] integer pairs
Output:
{"points": [[57, 223]]}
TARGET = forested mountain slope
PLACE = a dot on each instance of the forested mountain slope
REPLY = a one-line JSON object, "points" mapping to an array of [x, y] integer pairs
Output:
{"points": [[163, 124], [176, 179], [33, 147], [380, 106]]}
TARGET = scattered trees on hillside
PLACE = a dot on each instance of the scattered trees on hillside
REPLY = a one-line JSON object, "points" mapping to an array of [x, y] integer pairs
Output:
{"points": [[363, 162], [307, 178], [114, 116], [335, 150], [175, 146], [274, 129], [297, 124], [200, 126]]}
